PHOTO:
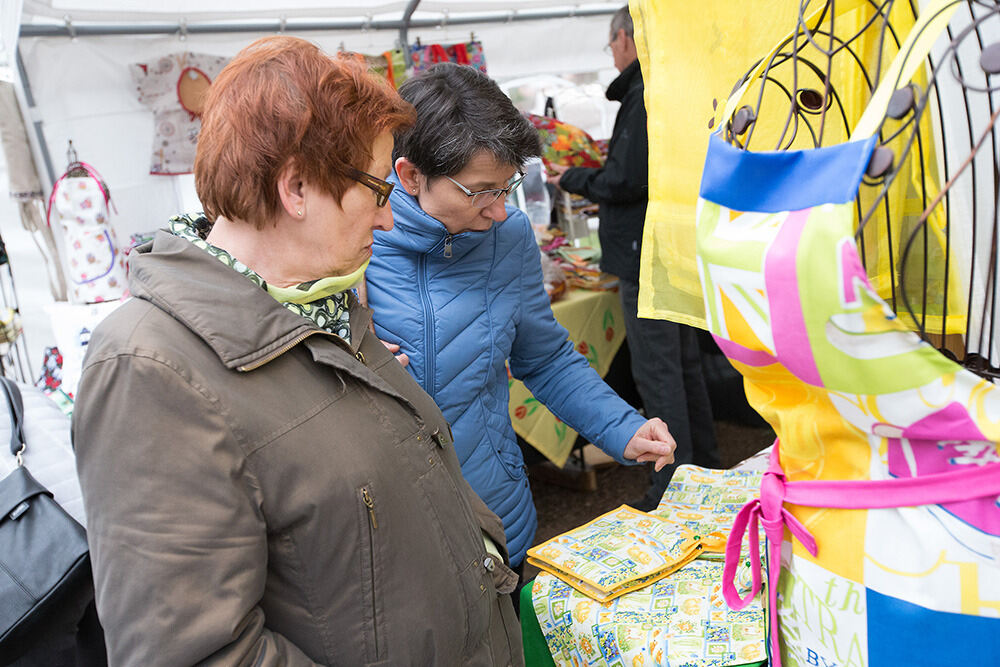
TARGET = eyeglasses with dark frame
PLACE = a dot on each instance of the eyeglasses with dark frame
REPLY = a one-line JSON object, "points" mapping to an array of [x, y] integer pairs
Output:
{"points": [[484, 198], [382, 189]]}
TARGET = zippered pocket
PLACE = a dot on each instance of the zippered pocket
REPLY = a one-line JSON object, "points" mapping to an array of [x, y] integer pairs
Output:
{"points": [[368, 546]]}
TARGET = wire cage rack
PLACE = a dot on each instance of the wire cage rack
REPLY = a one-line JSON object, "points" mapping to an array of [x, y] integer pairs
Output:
{"points": [[927, 211], [13, 348]]}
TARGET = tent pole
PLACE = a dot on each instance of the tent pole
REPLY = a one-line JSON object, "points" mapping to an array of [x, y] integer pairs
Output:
{"points": [[104, 29], [404, 39], [29, 99]]}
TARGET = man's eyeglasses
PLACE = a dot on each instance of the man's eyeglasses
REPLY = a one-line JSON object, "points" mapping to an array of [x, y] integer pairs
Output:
{"points": [[607, 47], [382, 189], [484, 198]]}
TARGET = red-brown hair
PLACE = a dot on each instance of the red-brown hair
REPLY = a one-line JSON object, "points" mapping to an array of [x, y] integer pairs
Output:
{"points": [[281, 101]]}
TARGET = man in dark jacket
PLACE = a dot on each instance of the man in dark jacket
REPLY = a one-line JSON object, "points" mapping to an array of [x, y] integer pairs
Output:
{"points": [[666, 361]]}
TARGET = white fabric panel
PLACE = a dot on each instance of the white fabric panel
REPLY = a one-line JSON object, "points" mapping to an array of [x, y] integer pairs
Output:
{"points": [[10, 15], [84, 92]]}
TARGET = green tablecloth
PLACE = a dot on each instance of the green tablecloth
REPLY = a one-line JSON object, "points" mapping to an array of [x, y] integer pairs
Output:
{"points": [[536, 651]]}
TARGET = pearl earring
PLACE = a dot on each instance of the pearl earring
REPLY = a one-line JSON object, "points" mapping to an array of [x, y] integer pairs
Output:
{"points": [[300, 213]]}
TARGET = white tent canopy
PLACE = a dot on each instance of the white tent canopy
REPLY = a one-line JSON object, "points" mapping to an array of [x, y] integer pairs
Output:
{"points": [[79, 87]]}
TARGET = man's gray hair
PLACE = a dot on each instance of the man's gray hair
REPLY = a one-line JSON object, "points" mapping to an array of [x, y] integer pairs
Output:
{"points": [[621, 19]]}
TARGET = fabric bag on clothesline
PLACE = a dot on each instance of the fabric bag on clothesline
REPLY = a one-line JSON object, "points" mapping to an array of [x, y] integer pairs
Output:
{"points": [[95, 262], [390, 64], [424, 56], [880, 504]]}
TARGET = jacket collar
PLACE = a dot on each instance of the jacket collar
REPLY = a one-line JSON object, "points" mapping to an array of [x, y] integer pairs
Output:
{"points": [[242, 323], [417, 231], [616, 91]]}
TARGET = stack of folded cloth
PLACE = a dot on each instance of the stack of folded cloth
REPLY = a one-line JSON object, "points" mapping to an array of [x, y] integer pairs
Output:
{"points": [[706, 501], [617, 552]]}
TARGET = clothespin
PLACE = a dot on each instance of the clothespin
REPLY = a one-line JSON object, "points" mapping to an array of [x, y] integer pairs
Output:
{"points": [[282, 23], [69, 27], [418, 42], [182, 33], [472, 36], [341, 48]]}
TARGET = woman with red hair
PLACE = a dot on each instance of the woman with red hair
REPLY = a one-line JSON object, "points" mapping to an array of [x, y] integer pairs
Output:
{"points": [[263, 483]]}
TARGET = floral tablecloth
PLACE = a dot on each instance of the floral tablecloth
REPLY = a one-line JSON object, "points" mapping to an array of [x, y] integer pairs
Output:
{"points": [[596, 325], [682, 619]]}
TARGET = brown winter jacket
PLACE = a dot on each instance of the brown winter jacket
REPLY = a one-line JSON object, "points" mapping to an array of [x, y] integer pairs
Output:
{"points": [[260, 493]]}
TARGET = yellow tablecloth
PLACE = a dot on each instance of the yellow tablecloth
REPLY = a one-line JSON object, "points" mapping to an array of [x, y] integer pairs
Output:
{"points": [[597, 327]]}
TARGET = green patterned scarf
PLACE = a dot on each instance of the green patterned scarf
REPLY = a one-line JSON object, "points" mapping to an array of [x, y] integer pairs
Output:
{"points": [[323, 301]]}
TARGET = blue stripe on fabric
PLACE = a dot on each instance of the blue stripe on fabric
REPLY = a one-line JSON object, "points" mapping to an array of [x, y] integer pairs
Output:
{"points": [[783, 180], [902, 633]]}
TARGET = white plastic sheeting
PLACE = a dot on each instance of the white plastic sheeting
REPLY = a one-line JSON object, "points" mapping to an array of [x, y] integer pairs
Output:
{"points": [[83, 91]]}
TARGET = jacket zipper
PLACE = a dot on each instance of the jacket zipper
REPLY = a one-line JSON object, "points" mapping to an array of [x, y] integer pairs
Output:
{"points": [[447, 245], [371, 507], [373, 526], [277, 353], [292, 343], [425, 302]]}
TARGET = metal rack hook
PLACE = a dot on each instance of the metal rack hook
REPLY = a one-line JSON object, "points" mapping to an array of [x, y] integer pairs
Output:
{"points": [[74, 168], [182, 33], [69, 27]]}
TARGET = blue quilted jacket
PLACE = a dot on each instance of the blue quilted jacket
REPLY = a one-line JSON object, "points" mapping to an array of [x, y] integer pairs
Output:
{"points": [[461, 306]]}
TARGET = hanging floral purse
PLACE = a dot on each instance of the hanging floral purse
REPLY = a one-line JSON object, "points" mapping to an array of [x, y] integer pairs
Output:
{"points": [[95, 265]]}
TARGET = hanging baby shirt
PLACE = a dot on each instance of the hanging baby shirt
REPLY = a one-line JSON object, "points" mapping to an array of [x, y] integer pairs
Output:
{"points": [[174, 87]]}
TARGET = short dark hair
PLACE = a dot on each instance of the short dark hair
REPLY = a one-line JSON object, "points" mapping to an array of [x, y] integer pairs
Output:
{"points": [[460, 112], [622, 19]]}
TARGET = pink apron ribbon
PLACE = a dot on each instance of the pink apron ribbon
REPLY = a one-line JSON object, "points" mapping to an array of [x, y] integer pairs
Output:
{"points": [[769, 511]]}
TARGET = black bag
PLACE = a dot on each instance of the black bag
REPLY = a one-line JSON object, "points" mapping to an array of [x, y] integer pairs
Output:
{"points": [[44, 561]]}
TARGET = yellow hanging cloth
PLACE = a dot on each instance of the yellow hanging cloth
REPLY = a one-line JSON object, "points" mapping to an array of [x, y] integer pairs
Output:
{"points": [[682, 47]]}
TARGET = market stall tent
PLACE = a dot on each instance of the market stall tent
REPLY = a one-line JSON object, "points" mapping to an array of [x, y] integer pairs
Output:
{"points": [[74, 57], [67, 64]]}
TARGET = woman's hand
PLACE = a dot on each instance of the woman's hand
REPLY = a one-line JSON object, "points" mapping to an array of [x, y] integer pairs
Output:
{"points": [[652, 442], [555, 173], [403, 360]]}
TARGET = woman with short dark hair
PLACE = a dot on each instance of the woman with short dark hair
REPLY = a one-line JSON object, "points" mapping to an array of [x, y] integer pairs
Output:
{"points": [[457, 284], [263, 483]]}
